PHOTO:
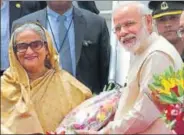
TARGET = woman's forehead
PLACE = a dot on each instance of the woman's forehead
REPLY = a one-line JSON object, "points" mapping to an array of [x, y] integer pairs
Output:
{"points": [[28, 33], [27, 36]]}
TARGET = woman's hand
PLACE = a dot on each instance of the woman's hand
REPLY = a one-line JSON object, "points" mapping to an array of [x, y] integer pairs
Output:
{"points": [[86, 132], [103, 131]]}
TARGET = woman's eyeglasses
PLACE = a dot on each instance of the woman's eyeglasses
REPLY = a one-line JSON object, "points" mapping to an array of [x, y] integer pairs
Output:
{"points": [[35, 46]]}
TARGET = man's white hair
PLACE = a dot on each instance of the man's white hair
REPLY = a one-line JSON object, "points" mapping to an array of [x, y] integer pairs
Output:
{"points": [[144, 10]]}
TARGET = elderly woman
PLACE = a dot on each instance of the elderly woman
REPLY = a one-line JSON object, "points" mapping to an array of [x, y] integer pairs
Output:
{"points": [[36, 93]]}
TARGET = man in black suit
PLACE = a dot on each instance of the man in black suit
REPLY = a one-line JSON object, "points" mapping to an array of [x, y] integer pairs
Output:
{"points": [[88, 5], [10, 11], [90, 38], [19, 9]]}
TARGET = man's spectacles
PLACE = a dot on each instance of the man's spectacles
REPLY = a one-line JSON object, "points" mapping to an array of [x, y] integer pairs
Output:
{"points": [[180, 32], [126, 25], [35, 46]]}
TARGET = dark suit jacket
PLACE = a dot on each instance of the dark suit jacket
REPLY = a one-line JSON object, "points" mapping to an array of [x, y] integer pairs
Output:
{"points": [[92, 60], [88, 5], [19, 9]]}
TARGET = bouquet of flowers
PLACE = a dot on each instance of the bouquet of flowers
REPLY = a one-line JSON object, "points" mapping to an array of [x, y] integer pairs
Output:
{"points": [[168, 91], [92, 114]]}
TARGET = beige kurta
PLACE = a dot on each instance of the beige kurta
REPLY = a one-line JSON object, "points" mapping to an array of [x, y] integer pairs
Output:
{"points": [[136, 111]]}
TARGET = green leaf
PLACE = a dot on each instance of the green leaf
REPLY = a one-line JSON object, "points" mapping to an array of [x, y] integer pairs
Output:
{"points": [[171, 69], [94, 94], [157, 84], [156, 77], [167, 99], [181, 99], [180, 90], [174, 96], [104, 87], [110, 87], [163, 116], [151, 87], [172, 124], [167, 74]]}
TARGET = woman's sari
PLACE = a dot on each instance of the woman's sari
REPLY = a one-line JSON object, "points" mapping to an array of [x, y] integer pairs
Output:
{"points": [[38, 106]]}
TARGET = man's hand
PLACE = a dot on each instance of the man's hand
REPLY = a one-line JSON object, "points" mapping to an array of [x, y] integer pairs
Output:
{"points": [[5, 130]]}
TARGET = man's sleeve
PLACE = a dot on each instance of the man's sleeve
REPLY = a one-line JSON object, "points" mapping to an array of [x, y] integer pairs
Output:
{"points": [[104, 54], [15, 25], [144, 112]]}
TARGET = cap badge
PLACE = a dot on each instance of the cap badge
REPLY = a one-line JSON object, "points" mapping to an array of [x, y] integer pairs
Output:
{"points": [[164, 5], [18, 5]]}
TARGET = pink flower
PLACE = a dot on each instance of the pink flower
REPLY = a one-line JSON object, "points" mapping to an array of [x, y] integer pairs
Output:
{"points": [[78, 126], [91, 119], [173, 111], [179, 127]]}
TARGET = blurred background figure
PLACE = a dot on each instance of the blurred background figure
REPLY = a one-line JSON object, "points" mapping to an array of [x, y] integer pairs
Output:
{"points": [[181, 28], [88, 5], [10, 11], [167, 15], [181, 31]]}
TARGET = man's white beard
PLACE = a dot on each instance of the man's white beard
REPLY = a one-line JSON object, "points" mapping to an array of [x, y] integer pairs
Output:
{"points": [[141, 39]]}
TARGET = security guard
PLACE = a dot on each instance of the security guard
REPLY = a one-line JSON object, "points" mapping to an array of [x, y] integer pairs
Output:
{"points": [[181, 31], [166, 15]]}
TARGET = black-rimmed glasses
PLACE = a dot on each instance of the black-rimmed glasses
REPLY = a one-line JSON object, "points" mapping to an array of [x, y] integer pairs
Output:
{"points": [[35, 46], [128, 24]]}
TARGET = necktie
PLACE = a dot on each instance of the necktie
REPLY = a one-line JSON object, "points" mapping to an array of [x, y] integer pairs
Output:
{"points": [[64, 46]]}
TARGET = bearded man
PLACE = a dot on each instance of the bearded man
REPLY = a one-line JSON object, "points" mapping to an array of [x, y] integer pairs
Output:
{"points": [[152, 54]]}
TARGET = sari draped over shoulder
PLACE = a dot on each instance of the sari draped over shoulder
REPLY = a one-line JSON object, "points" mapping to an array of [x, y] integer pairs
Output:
{"points": [[38, 106]]}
